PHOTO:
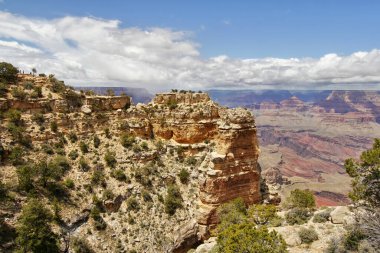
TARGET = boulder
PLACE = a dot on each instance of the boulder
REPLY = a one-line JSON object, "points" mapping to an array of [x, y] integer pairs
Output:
{"points": [[187, 237], [207, 246], [341, 215], [86, 109]]}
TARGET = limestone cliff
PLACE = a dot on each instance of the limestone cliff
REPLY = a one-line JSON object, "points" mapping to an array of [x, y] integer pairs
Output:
{"points": [[177, 131]]}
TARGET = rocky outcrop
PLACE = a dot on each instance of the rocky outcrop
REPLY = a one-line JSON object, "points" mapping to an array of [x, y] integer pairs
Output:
{"points": [[181, 98]]}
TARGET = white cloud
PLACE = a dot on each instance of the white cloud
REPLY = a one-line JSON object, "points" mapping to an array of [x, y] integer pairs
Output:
{"points": [[90, 51]]}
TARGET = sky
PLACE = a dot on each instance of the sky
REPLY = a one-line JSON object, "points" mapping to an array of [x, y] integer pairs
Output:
{"points": [[272, 44]]}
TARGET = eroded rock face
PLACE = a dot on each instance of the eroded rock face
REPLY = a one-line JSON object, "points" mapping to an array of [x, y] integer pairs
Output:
{"points": [[231, 169]]}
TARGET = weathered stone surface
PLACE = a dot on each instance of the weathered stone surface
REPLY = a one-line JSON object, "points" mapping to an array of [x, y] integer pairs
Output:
{"points": [[341, 215], [113, 205], [207, 246], [187, 237]]}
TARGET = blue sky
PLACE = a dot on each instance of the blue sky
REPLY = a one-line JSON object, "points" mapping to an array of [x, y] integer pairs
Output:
{"points": [[244, 29], [311, 44]]}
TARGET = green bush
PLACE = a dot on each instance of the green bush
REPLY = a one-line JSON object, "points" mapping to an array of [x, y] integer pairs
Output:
{"points": [[98, 178], [144, 146], [133, 204], [19, 93], [38, 118], [110, 159], [8, 73], [119, 175], [37, 92], [262, 214], [307, 235], [184, 176], [108, 194], [353, 238], [14, 117], [173, 200], [99, 223], [26, 175], [301, 199], [146, 196], [96, 141], [80, 245], [73, 155], [47, 149], [83, 147], [16, 156], [246, 237], [3, 191], [34, 233], [322, 216], [83, 165], [54, 126], [3, 89], [127, 140], [191, 160], [297, 216], [73, 137], [69, 183]]}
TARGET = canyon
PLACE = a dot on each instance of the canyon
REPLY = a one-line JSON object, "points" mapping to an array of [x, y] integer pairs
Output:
{"points": [[307, 135]]}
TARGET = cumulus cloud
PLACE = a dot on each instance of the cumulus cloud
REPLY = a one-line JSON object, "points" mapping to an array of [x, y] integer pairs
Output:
{"points": [[91, 51]]}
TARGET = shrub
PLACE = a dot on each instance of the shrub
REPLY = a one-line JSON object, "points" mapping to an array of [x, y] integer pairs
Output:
{"points": [[184, 176], [33, 230], [19, 93], [54, 126], [98, 178], [352, 239], [47, 149], [80, 245], [83, 165], [69, 183], [191, 160], [96, 141], [73, 155], [133, 204], [99, 223], [8, 73], [73, 137], [83, 147], [73, 99], [307, 235], [14, 117], [38, 118], [144, 146], [173, 200], [108, 194], [16, 156], [3, 191], [127, 140], [107, 133], [119, 175], [297, 216], [110, 159], [246, 237], [262, 214], [37, 92], [25, 175], [322, 216], [146, 196], [301, 199], [3, 89]]}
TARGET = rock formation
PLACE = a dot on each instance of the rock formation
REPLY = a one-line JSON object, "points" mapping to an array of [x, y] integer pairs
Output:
{"points": [[177, 130]]}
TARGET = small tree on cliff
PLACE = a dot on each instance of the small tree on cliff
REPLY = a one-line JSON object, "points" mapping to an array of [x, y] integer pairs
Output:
{"points": [[8, 73], [365, 192], [33, 229]]}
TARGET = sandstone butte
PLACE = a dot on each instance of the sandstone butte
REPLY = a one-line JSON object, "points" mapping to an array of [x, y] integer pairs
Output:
{"points": [[191, 119]]}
